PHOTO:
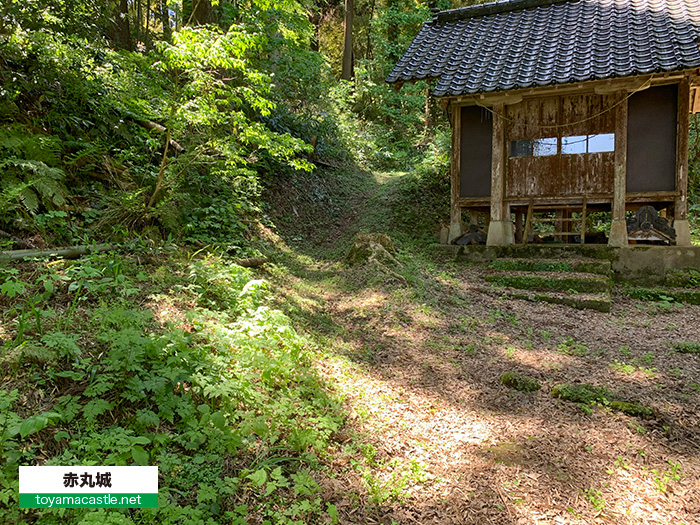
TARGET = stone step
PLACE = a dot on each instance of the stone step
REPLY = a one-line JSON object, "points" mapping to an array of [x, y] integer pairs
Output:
{"points": [[551, 281], [681, 295], [683, 278], [593, 266], [583, 301]]}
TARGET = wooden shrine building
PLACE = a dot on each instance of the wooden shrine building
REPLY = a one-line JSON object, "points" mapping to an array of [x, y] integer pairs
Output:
{"points": [[564, 107]]}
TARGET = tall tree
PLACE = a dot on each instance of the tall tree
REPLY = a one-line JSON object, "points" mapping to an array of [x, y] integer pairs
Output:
{"points": [[393, 28], [347, 73], [165, 20], [120, 28], [200, 12]]}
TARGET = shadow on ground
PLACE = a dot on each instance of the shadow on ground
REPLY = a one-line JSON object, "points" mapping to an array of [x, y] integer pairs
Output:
{"points": [[419, 366]]}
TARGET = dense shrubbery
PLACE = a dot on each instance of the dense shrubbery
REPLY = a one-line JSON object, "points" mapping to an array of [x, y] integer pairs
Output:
{"points": [[422, 200], [172, 140], [213, 387]]}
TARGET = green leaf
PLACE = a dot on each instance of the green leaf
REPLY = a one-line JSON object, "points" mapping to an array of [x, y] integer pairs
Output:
{"points": [[37, 423], [259, 477], [62, 434], [71, 374], [48, 286], [11, 288], [96, 407], [218, 419], [31, 425], [140, 455]]}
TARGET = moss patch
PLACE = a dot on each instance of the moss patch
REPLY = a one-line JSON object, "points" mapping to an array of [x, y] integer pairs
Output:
{"points": [[369, 247], [631, 409], [686, 278], [598, 267], [524, 265], [583, 393], [587, 394], [519, 382], [687, 348], [662, 294]]}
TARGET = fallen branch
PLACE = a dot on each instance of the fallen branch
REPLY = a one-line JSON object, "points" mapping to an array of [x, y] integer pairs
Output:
{"points": [[320, 162], [154, 126], [252, 262], [17, 240], [66, 253]]}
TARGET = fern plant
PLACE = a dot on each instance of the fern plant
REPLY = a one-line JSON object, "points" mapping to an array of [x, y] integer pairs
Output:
{"points": [[29, 174]]}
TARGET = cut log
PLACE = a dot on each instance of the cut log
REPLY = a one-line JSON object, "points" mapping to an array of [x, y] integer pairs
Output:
{"points": [[66, 253]]}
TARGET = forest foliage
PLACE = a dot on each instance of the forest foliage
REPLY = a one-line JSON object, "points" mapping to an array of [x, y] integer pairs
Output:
{"points": [[158, 124], [164, 118]]}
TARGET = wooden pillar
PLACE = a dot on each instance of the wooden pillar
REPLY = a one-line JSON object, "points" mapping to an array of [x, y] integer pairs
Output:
{"points": [[518, 226], [680, 219], [559, 225], [500, 227], [618, 229], [455, 211]]}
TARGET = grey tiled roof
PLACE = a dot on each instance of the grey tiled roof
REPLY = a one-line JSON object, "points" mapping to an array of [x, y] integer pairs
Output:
{"points": [[525, 43]]}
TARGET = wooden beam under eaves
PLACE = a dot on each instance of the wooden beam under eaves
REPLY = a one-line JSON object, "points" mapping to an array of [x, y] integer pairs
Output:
{"points": [[695, 100]]}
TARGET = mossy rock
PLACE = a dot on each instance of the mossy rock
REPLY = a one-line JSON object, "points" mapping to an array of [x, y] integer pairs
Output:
{"points": [[631, 409], [687, 348], [371, 246], [583, 393], [519, 382]]}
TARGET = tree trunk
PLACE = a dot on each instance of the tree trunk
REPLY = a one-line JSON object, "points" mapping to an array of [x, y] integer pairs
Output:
{"points": [[120, 32], [202, 13], [372, 5], [165, 20], [315, 20], [147, 39], [392, 29], [139, 19], [347, 45]]}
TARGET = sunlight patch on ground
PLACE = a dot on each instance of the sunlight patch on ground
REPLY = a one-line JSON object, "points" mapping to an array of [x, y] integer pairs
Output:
{"points": [[166, 311]]}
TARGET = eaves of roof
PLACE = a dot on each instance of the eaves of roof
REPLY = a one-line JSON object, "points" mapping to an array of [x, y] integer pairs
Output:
{"points": [[516, 44]]}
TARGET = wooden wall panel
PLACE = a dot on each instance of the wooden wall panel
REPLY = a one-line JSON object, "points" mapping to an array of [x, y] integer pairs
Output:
{"points": [[587, 114], [534, 118], [600, 174], [560, 175]]}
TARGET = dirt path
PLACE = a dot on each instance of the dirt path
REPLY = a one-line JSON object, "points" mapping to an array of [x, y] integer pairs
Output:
{"points": [[434, 437]]}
